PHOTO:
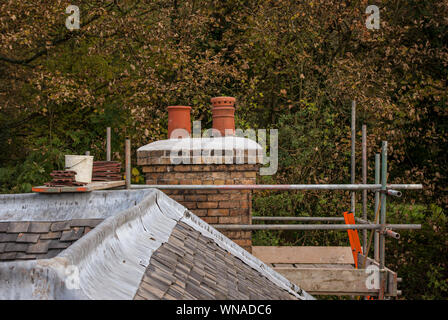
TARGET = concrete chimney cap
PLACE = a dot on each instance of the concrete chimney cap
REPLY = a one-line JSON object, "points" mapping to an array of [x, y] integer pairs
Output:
{"points": [[217, 143]]}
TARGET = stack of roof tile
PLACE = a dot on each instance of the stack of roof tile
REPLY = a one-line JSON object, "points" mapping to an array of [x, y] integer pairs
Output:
{"points": [[62, 178], [106, 171]]}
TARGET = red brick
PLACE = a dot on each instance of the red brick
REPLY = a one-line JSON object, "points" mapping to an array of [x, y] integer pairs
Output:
{"points": [[221, 167], [232, 234], [196, 197], [154, 176], [168, 181], [239, 212], [245, 181], [229, 220], [207, 205], [237, 174], [163, 168], [250, 174], [228, 204], [190, 205], [238, 196], [219, 175], [246, 235], [200, 212], [177, 197], [206, 191], [244, 204], [218, 197], [184, 168], [246, 219], [232, 191], [180, 175], [211, 220], [218, 212], [196, 168]]}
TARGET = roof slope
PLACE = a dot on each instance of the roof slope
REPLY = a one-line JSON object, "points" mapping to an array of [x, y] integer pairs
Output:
{"points": [[192, 266], [147, 247]]}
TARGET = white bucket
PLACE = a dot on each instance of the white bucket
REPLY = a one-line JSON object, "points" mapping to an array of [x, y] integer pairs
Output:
{"points": [[82, 165]]}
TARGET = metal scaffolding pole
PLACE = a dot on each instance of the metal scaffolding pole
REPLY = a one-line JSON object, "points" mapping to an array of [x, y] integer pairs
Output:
{"points": [[128, 162], [305, 219], [347, 187], [377, 203], [364, 181], [353, 156], [383, 217], [336, 227], [108, 144]]}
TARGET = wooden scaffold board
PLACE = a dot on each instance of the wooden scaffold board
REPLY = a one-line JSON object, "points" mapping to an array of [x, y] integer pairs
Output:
{"points": [[324, 270], [100, 185]]}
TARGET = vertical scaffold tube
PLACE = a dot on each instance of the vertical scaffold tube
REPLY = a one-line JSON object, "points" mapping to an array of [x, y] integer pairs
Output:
{"points": [[383, 217], [377, 204], [364, 180], [353, 157], [108, 144], [128, 162]]}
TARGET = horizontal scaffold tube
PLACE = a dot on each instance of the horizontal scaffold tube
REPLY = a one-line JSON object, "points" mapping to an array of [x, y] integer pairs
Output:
{"points": [[313, 226], [298, 219], [352, 187]]}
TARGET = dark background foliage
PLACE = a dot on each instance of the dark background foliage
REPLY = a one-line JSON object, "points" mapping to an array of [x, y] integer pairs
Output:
{"points": [[292, 65]]}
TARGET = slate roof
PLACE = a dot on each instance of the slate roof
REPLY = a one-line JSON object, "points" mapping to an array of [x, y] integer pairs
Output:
{"points": [[191, 266], [27, 240], [124, 244]]}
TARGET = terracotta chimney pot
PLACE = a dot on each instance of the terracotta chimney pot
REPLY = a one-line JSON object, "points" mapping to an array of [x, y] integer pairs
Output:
{"points": [[223, 102], [178, 118], [223, 114]]}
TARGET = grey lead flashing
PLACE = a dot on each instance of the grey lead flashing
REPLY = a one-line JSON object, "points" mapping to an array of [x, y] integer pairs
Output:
{"points": [[35, 280], [112, 258], [126, 242], [67, 206]]}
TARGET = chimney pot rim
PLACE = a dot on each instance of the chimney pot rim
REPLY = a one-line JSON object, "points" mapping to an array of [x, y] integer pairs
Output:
{"points": [[223, 101], [178, 107]]}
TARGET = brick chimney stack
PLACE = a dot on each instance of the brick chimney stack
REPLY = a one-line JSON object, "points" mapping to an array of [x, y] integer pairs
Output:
{"points": [[214, 165]]}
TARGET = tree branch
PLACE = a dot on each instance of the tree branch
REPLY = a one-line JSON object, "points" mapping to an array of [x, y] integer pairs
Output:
{"points": [[66, 37]]}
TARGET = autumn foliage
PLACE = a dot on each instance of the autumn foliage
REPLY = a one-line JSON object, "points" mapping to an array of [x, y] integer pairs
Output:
{"points": [[292, 65]]}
